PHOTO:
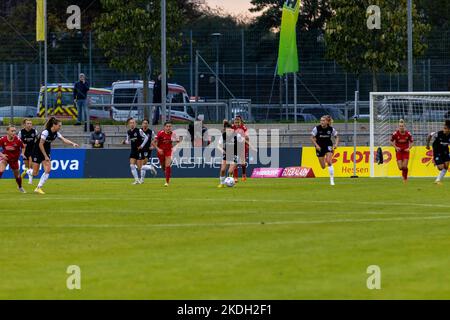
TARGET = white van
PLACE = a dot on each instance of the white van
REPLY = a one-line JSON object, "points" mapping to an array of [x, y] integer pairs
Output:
{"points": [[131, 92]]}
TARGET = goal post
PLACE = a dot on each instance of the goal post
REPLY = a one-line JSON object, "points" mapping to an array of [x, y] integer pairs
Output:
{"points": [[423, 112]]}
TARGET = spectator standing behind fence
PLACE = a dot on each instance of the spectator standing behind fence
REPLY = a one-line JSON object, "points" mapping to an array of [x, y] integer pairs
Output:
{"points": [[80, 92], [157, 98], [97, 137]]}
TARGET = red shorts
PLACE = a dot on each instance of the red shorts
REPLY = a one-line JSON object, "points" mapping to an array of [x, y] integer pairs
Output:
{"points": [[402, 155], [13, 164], [162, 157]]}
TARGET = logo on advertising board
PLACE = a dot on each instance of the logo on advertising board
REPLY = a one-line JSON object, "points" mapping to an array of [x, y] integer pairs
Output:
{"points": [[267, 172], [66, 163], [420, 163], [298, 172]]}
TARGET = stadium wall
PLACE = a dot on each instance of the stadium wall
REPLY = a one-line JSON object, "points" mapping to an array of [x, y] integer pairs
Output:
{"points": [[114, 163]]}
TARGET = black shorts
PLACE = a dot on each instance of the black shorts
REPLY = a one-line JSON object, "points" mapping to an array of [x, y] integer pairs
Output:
{"points": [[144, 154], [235, 158], [323, 151], [441, 158], [135, 154], [37, 156], [28, 152]]}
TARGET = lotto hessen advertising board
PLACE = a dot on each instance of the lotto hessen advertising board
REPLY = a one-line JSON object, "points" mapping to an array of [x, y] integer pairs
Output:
{"points": [[420, 163], [66, 163]]}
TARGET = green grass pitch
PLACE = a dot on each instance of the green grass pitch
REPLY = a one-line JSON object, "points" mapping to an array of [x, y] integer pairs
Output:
{"points": [[263, 239]]}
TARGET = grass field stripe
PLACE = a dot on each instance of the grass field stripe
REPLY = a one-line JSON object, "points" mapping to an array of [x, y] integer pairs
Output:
{"points": [[223, 224], [46, 198], [220, 212]]}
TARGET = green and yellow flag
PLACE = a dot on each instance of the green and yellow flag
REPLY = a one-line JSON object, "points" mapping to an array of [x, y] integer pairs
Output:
{"points": [[40, 21], [287, 53]]}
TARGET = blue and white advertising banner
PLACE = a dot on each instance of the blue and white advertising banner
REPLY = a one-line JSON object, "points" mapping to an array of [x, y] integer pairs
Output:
{"points": [[66, 163]]}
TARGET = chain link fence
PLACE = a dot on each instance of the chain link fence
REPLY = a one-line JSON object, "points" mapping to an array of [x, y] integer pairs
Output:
{"points": [[246, 59]]}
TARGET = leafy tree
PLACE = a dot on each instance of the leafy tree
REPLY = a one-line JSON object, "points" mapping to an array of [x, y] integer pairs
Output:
{"points": [[313, 13], [129, 32], [358, 49], [436, 13]]}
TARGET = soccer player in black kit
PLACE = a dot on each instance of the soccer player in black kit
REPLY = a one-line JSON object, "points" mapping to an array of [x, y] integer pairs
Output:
{"points": [[229, 145], [137, 139], [42, 149], [321, 137], [146, 151], [441, 153], [29, 136]]}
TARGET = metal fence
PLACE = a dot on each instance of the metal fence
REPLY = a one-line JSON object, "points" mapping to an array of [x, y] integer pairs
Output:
{"points": [[247, 61]]}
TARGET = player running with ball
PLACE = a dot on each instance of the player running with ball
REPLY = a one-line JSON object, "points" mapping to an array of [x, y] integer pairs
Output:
{"points": [[12, 147], [321, 137], [441, 150], [165, 143], [402, 141], [228, 145]]}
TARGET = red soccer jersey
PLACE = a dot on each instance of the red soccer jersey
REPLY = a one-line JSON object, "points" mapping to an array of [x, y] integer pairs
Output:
{"points": [[402, 141], [13, 148], [243, 131], [165, 140]]}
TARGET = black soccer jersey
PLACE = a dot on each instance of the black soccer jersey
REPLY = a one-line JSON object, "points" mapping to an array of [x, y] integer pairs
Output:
{"points": [[136, 138], [441, 142], [324, 135], [49, 137], [150, 135], [29, 138], [229, 142]]}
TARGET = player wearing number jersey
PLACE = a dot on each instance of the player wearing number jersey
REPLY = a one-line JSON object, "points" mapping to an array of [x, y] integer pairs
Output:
{"points": [[165, 142], [402, 141], [321, 137], [12, 147], [441, 153]]}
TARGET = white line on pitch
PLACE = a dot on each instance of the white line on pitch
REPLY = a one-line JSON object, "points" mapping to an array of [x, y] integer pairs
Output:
{"points": [[44, 198]]}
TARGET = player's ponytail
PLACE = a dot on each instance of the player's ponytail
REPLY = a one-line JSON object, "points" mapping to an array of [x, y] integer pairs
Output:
{"points": [[50, 123]]}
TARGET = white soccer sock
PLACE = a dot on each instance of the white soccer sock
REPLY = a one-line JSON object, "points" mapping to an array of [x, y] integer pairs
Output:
{"points": [[142, 173], [331, 170], [44, 178], [134, 172], [30, 175], [442, 175], [222, 180], [146, 167]]}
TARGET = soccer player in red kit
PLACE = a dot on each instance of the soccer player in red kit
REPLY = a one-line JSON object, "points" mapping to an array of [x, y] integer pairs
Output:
{"points": [[402, 140], [240, 128], [12, 147], [164, 143]]}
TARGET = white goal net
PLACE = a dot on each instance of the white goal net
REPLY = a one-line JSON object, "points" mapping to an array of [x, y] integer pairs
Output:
{"points": [[423, 112]]}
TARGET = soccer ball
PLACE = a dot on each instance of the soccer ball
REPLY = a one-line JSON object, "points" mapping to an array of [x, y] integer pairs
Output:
{"points": [[229, 182]]}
